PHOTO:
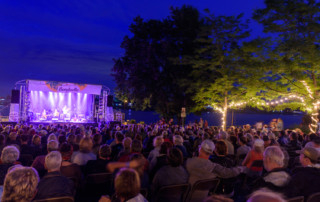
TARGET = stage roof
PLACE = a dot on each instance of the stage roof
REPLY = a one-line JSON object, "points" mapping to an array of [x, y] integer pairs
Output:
{"points": [[63, 87]]}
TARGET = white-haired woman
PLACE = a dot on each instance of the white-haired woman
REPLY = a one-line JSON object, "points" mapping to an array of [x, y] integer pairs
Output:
{"points": [[9, 157]]}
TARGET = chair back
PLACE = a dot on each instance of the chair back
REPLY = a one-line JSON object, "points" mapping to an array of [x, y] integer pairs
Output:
{"points": [[57, 199], [296, 199], [26, 159], [99, 184], [203, 186], [314, 197], [171, 193]]}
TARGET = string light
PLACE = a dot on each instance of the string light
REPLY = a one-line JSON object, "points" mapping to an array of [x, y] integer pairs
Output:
{"points": [[308, 88]]}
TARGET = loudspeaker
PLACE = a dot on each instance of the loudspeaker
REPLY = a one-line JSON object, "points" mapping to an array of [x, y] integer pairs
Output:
{"points": [[110, 101], [15, 95]]}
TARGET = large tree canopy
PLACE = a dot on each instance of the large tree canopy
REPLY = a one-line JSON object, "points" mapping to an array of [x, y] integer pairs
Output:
{"points": [[292, 65], [148, 74]]}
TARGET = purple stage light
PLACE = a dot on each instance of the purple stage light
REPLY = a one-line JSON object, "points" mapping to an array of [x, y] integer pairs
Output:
{"points": [[64, 107]]}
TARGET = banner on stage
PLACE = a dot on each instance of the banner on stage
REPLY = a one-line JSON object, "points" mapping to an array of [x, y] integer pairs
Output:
{"points": [[61, 87]]}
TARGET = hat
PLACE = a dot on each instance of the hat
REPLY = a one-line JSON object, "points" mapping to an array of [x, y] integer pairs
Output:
{"points": [[207, 146], [310, 152], [258, 143]]}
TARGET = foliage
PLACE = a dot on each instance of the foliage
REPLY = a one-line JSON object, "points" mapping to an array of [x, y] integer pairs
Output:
{"points": [[147, 74]]}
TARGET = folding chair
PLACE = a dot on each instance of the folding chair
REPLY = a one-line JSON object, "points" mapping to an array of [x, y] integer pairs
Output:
{"points": [[57, 199], [171, 193], [203, 186]]}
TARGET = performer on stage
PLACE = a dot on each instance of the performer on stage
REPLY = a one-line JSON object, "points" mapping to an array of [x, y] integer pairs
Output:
{"points": [[44, 114]]}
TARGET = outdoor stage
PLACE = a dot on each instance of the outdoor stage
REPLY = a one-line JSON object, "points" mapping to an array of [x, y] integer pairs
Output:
{"points": [[60, 102]]}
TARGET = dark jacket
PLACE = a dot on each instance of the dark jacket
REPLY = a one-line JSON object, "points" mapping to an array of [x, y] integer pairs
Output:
{"points": [[53, 184], [304, 182], [275, 180], [115, 150]]}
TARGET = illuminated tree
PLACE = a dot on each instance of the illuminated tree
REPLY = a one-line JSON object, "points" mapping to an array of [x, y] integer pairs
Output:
{"points": [[292, 63]]}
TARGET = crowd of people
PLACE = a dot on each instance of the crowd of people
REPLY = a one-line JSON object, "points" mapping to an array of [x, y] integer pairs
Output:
{"points": [[47, 161]]}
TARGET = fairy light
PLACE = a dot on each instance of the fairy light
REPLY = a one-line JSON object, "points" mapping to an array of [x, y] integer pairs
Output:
{"points": [[308, 89]]}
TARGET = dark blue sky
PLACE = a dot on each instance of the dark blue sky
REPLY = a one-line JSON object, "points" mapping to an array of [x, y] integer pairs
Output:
{"points": [[75, 41]]}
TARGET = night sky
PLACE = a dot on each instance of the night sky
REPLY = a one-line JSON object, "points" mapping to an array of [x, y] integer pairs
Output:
{"points": [[75, 41]]}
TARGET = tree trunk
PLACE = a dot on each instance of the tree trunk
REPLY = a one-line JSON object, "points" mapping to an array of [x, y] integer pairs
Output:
{"points": [[314, 119], [224, 113]]}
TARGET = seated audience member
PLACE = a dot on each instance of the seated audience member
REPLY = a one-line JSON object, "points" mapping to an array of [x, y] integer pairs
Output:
{"points": [[126, 151], [118, 147], [219, 155], [293, 144], [224, 136], [315, 143], [12, 139], [142, 171], [127, 186], [178, 143], [97, 139], [25, 148], [85, 152], [36, 144], [2, 142], [99, 165], [71, 139], [9, 156], [157, 141], [69, 169], [53, 184], [276, 178], [20, 184], [265, 195], [305, 180], [39, 161], [161, 160], [256, 153], [200, 168], [244, 149], [136, 148], [171, 174]]}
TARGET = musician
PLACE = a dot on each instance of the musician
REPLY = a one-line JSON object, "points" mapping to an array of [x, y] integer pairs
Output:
{"points": [[44, 114]]}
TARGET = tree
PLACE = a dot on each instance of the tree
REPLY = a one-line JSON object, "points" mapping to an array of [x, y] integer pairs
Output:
{"points": [[147, 74], [292, 66], [216, 64]]}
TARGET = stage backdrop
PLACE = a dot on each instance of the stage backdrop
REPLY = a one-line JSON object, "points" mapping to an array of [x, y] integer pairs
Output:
{"points": [[61, 87]]}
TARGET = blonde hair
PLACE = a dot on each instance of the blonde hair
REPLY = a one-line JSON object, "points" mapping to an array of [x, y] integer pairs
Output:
{"points": [[85, 145], [157, 141], [127, 183], [20, 184]]}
